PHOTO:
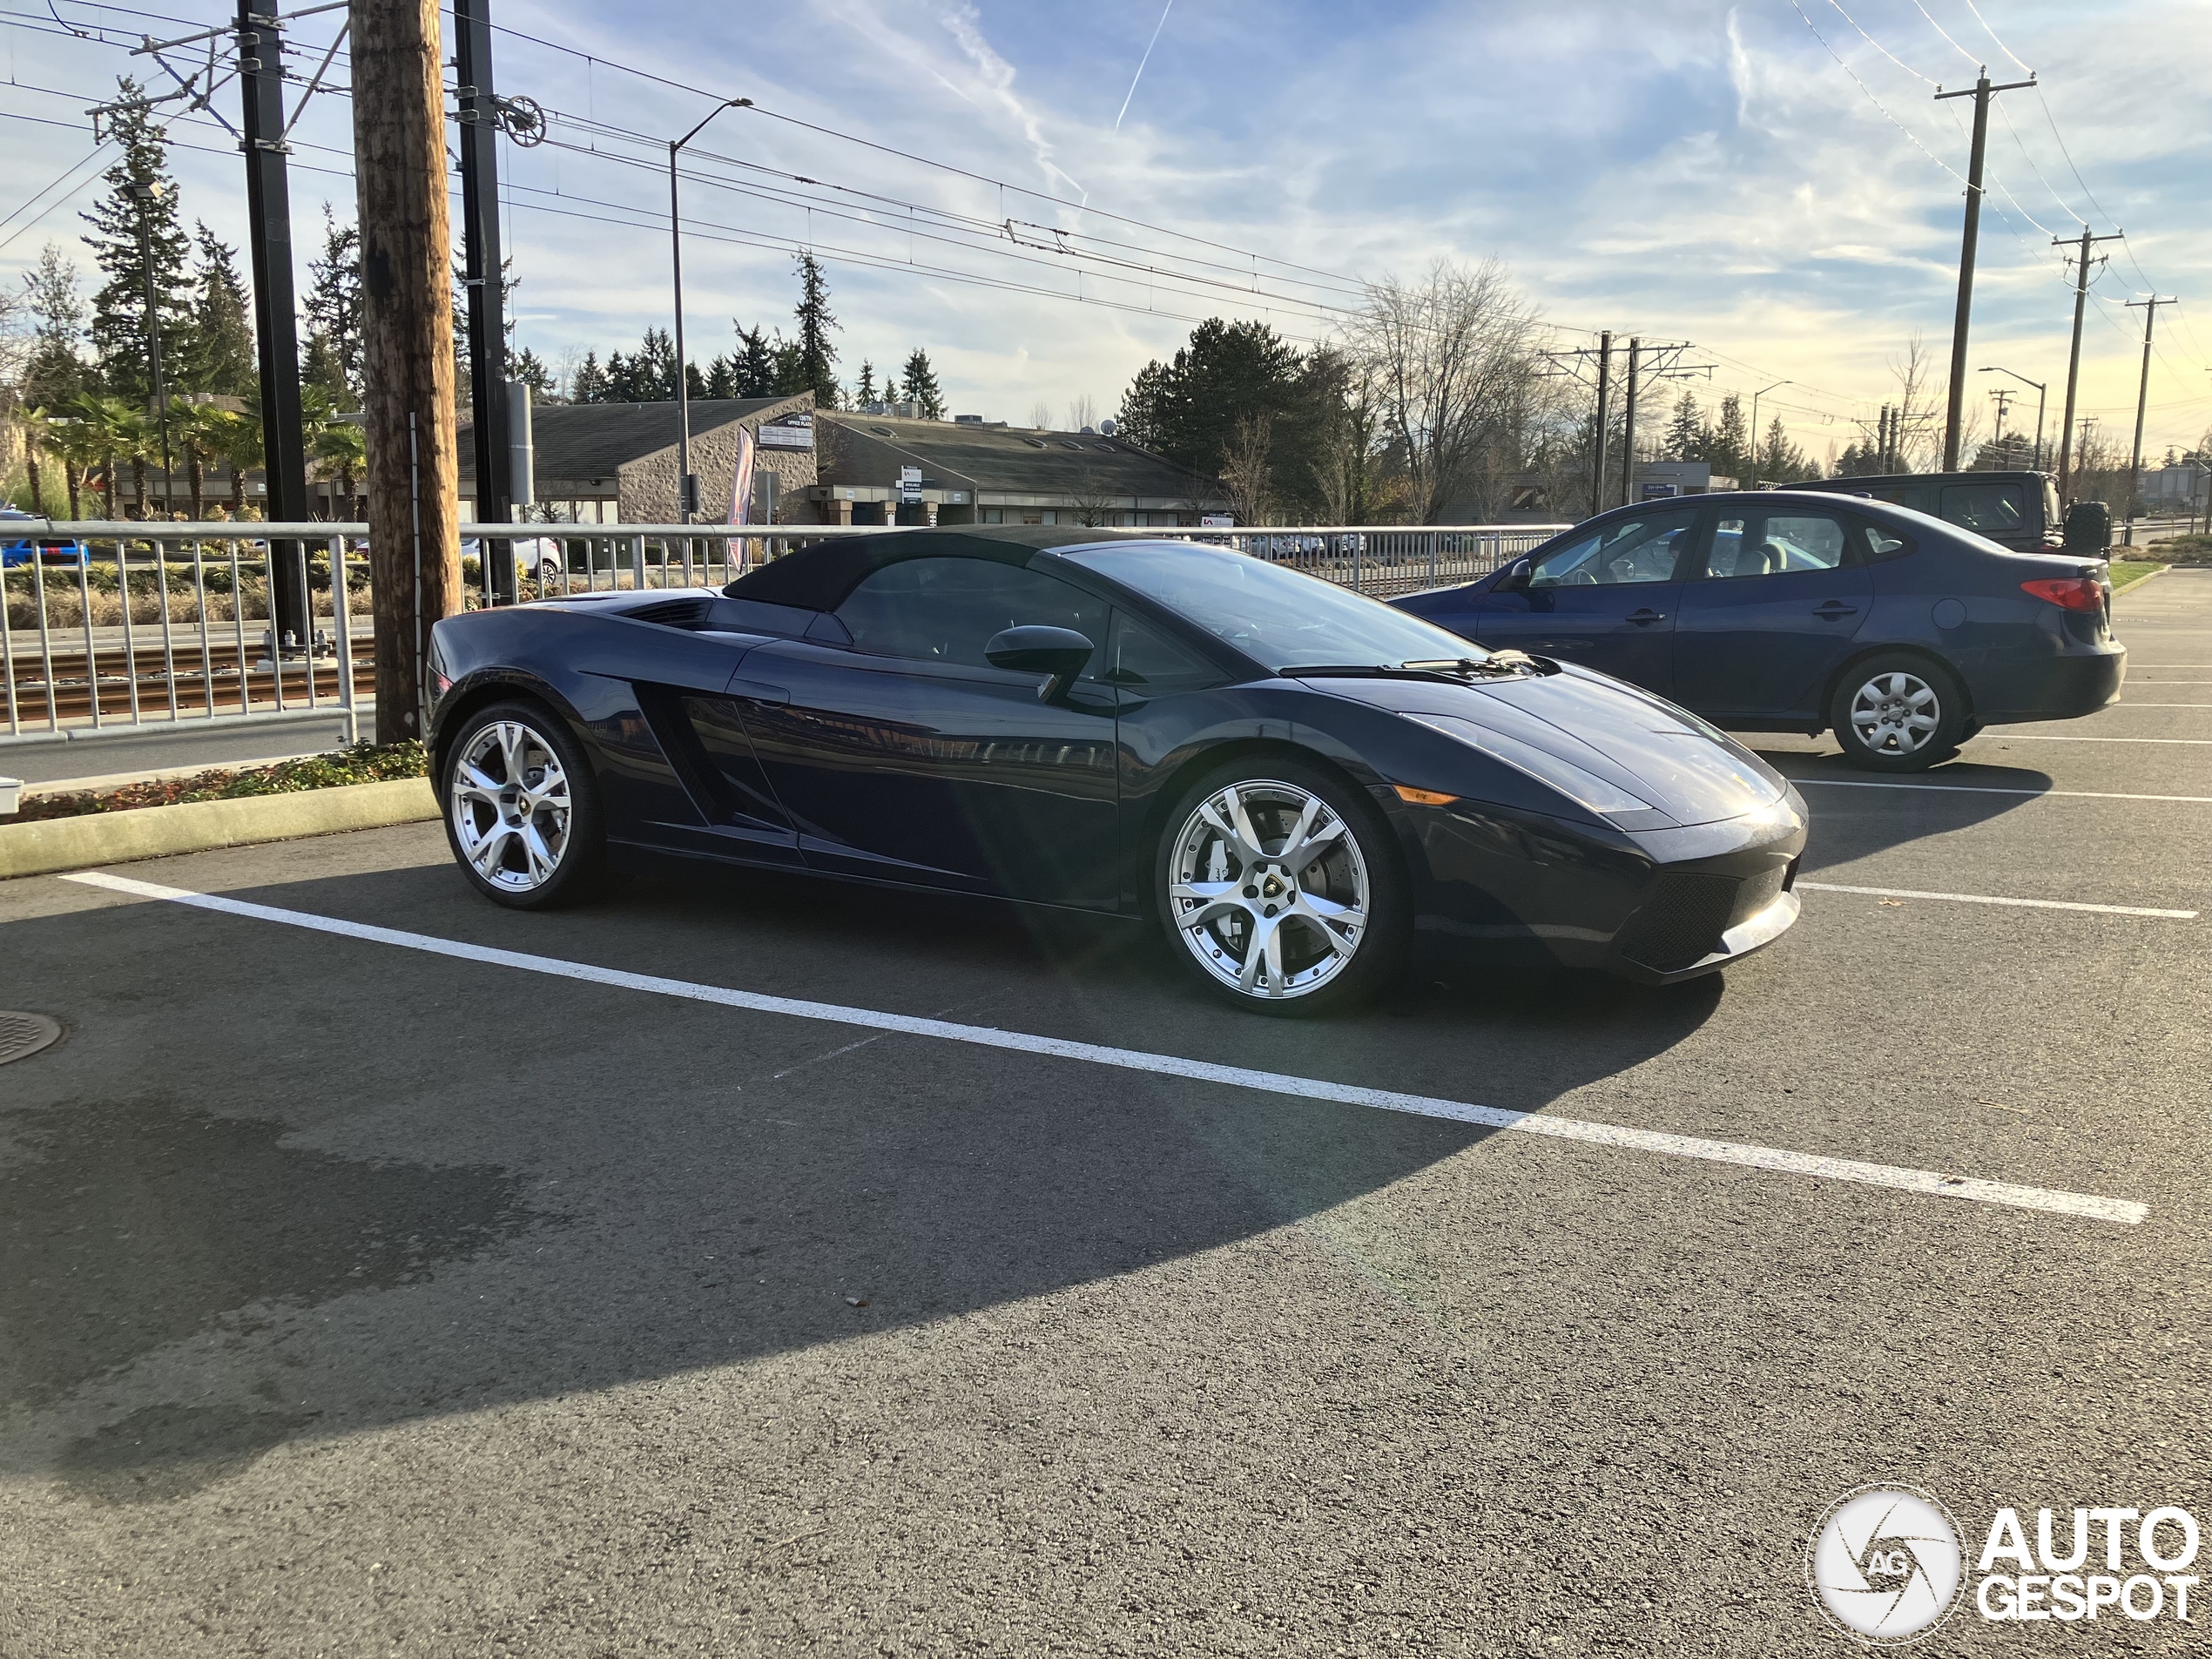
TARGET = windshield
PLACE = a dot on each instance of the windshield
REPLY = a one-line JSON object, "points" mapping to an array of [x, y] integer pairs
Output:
{"points": [[1279, 617]]}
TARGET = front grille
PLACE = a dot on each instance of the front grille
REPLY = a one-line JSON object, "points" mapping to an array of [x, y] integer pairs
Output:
{"points": [[1682, 920], [1756, 892]]}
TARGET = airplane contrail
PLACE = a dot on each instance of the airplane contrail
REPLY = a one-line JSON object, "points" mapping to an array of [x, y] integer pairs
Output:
{"points": [[1145, 60]]}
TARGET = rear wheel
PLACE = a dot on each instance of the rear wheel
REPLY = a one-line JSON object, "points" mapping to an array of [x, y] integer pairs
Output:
{"points": [[521, 813], [1279, 886], [1898, 712]]}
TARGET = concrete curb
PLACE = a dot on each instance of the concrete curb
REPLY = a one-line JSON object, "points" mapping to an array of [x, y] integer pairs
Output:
{"points": [[2129, 587], [57, 843]]}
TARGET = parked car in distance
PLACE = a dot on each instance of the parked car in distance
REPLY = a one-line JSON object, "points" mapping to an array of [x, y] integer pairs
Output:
{"points": [[1301, 787], [1790, 611], [538, 558], [24, 537], [2015, 510]]}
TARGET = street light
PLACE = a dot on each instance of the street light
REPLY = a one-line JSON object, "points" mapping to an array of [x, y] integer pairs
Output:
{"points": [[1755, 396], [687, 490], [146, 195], [2040, 390]]}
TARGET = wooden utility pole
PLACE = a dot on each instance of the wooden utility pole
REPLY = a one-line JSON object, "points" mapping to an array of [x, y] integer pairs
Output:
{"points": [[2073, 355], [406, 337], [1980, 91], [1628, 426], [2142, 403]]}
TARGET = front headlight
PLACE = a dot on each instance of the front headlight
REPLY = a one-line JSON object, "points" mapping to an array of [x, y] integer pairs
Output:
{"points": [[1586, 788]]}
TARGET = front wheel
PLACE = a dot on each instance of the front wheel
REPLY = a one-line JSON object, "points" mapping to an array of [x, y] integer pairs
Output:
{"points": [[1279, 886], [1898, 712], [521, 813]]}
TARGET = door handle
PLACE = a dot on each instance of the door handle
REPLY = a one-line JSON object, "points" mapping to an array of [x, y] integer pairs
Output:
{"points": [[1646, 617], [1833, 608]]}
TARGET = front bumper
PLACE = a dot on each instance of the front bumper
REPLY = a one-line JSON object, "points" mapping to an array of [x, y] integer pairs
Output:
{"points": [[1755, 932]]}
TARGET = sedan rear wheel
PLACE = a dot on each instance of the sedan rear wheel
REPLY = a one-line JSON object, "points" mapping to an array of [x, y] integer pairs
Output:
{"points": [[521, 813], [1898, 713], [1280, 888]]}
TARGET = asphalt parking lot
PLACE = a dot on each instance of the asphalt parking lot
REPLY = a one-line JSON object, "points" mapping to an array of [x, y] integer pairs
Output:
{"points": [[368, 1297]]}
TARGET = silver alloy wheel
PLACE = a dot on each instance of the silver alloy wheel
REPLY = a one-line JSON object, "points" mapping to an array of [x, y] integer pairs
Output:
{"points": [[1896, 713], [510, 807], [1268, 889]]}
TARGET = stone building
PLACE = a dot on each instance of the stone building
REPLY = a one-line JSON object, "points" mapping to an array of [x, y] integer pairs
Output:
{"points": [[885, 468], [604, 463]]}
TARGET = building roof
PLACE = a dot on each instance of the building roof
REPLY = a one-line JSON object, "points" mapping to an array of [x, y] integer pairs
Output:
{"points": [[871, 448], [581, 441]]}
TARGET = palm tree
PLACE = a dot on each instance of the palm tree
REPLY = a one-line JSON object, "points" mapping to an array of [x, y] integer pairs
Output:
{"points": [[37, 436], [199, 429], [126, 433], [235, 439], [79, 443], [341, 447]]}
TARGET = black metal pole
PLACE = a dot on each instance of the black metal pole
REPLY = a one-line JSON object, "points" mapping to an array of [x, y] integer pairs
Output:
{"points": [[1629, 429], [1604, 381], [268, 215], [486, 287]]}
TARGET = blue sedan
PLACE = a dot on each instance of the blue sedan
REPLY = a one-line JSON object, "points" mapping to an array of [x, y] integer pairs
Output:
{"points": [[1782, 611], [24, 538]]}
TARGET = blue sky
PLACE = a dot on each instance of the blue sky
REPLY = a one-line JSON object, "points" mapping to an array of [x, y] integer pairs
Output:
{"points": [[1675, 171]]}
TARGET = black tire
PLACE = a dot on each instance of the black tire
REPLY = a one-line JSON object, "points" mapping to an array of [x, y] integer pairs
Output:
{"points": [[1895, 712], [511, 834], [1246, 902]]}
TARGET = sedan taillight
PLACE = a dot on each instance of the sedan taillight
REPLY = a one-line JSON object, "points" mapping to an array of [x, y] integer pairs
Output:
{"points": [[2068, 592]]}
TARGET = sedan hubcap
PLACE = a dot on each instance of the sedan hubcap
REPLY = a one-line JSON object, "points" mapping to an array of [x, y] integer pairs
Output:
{"points": [[1896, 713], [1268, 889], [510, 807]]}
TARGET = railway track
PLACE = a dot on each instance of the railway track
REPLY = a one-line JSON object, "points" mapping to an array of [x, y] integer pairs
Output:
{"points": [[201, 683]]}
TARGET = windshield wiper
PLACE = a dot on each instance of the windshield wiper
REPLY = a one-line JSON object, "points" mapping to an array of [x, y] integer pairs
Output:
{"points": [[1502, 664]]}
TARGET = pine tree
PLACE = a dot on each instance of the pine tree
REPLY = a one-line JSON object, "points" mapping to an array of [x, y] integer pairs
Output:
{"points": [[589, 384], [534, 371], [1729, 445], [921, 387], [1685, 439], [753, 370], [864, 392], [54, 377], [118, 330], [218, 356], [334, 310], [788, 376], [816, 355], [722, 377]]}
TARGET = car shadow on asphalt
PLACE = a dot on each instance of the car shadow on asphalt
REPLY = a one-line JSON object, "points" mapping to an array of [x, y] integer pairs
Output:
{"points": [[1856, 813], [310, 1187]]}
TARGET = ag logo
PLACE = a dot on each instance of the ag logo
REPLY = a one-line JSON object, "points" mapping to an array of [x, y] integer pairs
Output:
{"points": [[1884, 1564]]}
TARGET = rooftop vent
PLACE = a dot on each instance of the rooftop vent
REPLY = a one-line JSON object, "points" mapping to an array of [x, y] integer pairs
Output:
{"points": [[1034, 443]]}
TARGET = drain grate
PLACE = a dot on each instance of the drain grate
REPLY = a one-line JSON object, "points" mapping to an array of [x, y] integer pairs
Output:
{"points": [[25, 1034]]}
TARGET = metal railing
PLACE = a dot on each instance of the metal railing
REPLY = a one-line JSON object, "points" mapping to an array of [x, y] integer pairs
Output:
{"points": [[131, 626]]}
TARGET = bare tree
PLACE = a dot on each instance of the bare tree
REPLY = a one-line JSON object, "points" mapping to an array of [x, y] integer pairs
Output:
{"points": [[1083, 412], [1093, 499], [1919, 421], [1041, 416], [1453, 359], [1245, 468]]}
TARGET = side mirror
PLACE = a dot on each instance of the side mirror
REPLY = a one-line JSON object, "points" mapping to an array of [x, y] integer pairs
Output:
{"points": [[1515, 579], [1058, 653]]}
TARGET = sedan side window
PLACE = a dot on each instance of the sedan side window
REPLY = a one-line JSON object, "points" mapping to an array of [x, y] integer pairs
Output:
{"points": [[1771, 544], [945, 610], [1624, 553]]}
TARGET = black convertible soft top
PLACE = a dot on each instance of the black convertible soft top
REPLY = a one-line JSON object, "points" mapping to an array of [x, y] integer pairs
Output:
{"points": [[817, 578]]}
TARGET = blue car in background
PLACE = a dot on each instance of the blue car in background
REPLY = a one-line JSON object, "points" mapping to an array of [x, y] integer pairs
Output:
{"points": [[20, 543], [1790, 611]]}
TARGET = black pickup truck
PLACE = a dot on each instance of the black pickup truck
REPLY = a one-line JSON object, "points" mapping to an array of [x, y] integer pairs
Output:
{"points": [[2015, 509]]}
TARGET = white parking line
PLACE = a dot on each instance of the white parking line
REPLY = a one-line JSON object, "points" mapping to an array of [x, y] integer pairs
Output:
{"points": [[2161, 706], [2033, 737], [1995, 789], [1927, 1182], [1982, 898]]}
